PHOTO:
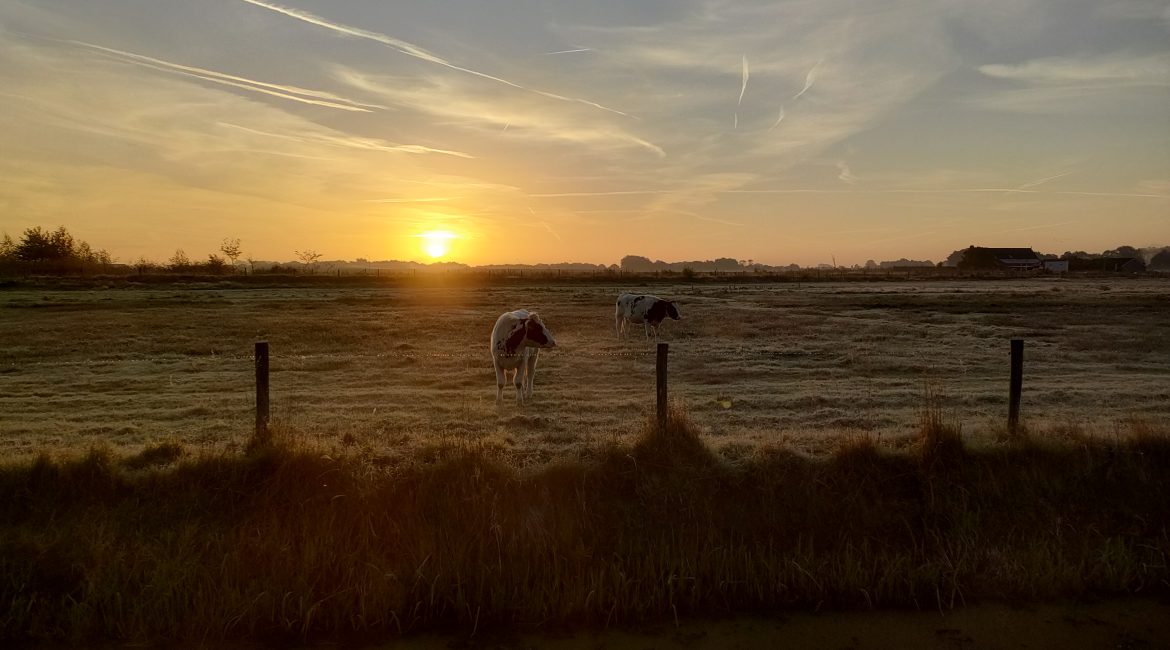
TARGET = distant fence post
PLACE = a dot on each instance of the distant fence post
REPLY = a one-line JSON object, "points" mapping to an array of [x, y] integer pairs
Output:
{"points": [[261, 389], [1017, 382], [660, 373]]}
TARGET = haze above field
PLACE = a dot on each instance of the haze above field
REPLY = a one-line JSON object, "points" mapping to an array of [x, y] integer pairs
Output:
{"points": [[783, 132]]}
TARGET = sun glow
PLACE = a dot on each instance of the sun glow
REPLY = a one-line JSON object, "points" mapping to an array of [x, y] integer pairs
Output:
{"points": [[437, 243]]}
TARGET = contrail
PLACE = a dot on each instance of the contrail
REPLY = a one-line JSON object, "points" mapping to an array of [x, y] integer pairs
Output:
{"points": [[415, 51], [303, 95], [545, 224], [1043, 180], [742, 90], [808, 79], [778, 119], [368, 144], [580, 49]]}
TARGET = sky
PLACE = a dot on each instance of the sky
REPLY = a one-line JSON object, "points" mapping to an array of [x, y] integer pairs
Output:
{"points": [[543, 131]]}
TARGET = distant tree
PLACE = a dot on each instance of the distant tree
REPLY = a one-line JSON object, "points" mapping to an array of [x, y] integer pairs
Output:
{"points": [[976, 257], [251, 263], [216, 265], [903, 263], [308, 258], [179, 261], [7, 248], [636, 263], [1161, 261], [870, 265], [1122, 251], [143, 265], [954, 258], [231, 249], [35, 245]]}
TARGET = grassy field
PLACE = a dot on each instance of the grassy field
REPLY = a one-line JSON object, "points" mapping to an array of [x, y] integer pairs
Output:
{"points": [[831, 447], [390, 369]]}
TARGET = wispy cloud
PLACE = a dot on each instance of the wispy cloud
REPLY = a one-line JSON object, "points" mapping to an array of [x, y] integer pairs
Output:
{"points": [[779, 118], [742, 89], [412, 50], [1118, 69], [294, 93], [844, 173], [352, 142], [1066, 85], [450, 101], [809, 80]]}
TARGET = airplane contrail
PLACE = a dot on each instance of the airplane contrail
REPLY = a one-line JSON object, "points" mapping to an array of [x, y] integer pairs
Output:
{"points": [[294, 93], [742, 90], [778, 119], [369, 144], [580, 49], [412, 50], [1043, 180], [809, 79], [743, 87]]}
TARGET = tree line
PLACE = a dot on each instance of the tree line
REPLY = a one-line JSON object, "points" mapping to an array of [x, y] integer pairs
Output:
{"points": [[52, 252], [40, 250]]}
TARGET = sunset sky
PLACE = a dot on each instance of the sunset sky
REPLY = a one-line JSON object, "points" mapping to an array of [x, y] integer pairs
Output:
{"points": [[798, 131]]}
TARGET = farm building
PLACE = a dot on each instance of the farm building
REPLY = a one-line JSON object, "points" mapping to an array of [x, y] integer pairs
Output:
{"points": [[1108, 264], [1017, 259], [1056, 266]]}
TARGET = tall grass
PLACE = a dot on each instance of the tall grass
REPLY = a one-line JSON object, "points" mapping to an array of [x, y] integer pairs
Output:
{"points": [[293, 541]]}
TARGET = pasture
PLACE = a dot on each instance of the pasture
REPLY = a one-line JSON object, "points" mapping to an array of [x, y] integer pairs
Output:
{"points": [[830, 447], [389, 369]]}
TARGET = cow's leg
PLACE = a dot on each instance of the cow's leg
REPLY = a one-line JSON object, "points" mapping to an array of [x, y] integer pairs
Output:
{"points": [[529, 374], [499, 383], [617, 324], [518, 382], [648, 329]]}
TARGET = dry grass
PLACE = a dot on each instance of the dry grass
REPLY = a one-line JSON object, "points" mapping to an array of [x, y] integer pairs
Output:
{"points": [[294, 541], [392, 370]]}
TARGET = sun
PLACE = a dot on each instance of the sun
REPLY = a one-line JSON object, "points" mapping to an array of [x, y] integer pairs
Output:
{"points": [[437, 243]]}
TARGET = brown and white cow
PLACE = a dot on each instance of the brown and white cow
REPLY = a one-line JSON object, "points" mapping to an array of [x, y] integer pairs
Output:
{"points": [[646, 309], [516, 342]]}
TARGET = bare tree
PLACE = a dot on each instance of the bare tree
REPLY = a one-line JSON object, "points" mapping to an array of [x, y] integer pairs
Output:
{"points": [[231, 249], [308, 258]]}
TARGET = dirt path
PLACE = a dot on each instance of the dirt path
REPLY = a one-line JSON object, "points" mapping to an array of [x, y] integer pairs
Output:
{"points": [[1127, 625]]}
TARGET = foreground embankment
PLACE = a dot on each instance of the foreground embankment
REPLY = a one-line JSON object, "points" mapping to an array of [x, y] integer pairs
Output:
{"points": [[289, 542]]}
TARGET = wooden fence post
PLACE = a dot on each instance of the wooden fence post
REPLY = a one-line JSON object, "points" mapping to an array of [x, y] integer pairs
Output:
{"points": [[660, 373], [1017, 382], [261, 390]]}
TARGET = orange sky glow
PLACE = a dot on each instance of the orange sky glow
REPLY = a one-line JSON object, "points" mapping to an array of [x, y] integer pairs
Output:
{"points": [[782, 132]]}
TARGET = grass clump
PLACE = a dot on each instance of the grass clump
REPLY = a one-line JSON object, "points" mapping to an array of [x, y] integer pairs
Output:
{"points": [[291, 541]]}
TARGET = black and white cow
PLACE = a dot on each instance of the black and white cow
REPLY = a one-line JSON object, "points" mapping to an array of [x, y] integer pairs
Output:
{"points": [[516, 342], [650, 310]]}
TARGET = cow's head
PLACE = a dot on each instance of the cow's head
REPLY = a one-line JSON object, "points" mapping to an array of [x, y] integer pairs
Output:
{"points": [[537, 334], [671, 310]]}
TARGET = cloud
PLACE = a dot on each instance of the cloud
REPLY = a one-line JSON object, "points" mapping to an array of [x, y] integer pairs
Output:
{"points": [[1117, 69], [294, 93], [412, 50], [809, 80], [471, 108]]}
